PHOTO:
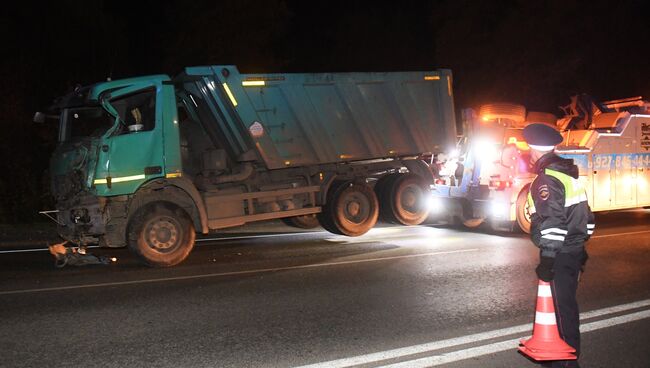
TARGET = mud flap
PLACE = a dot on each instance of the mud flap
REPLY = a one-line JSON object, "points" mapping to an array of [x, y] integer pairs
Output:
{"points": [[75, 256]]}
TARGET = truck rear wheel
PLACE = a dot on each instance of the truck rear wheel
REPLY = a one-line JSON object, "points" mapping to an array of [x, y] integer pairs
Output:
{"points": [[324, 218], [404, 200], [302, 222], [161, 234], [523, 211], [351, 209], [383, 195], [473, 223]]}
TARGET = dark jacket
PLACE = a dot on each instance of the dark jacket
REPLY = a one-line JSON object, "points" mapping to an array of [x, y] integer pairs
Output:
{"points": [[561, 220]]}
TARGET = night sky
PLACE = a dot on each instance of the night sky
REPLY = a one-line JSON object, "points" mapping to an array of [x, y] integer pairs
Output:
{"points": [[537, 53]]}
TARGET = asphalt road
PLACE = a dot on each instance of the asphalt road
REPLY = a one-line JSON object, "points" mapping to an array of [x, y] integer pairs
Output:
{"points": [[399, 297]]}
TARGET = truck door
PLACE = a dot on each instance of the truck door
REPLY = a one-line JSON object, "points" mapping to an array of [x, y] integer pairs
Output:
{"points": [[133, 149], [602, 165]]}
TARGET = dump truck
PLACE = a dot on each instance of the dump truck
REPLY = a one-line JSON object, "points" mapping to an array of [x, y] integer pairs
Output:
{"points": [[148, 162], [487, 177]]}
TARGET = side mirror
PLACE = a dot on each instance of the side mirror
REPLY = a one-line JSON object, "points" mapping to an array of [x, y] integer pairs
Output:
{"points": [[39, 117]]}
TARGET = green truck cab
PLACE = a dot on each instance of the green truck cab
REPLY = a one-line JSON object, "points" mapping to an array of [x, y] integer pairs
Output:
{"points": [[148, 162]]}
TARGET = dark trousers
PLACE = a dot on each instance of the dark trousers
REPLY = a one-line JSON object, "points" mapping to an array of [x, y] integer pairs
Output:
{"points": [[564, 286]]}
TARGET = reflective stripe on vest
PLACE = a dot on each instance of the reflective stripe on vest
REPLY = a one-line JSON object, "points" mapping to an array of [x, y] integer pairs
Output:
{"points": [[574, 191], [531, 203]]}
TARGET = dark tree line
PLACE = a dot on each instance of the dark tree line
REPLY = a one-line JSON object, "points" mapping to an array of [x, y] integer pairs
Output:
{"points": [[52, 46], [533, 52]]}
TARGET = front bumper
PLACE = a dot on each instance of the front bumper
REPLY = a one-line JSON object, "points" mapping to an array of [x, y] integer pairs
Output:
{"points": [[81, 220]]}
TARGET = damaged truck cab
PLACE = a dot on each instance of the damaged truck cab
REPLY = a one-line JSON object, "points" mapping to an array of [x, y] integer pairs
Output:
{"points": [[118, 149], [148, 162]]}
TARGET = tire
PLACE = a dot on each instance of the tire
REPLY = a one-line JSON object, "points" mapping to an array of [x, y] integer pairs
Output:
{"points": [[404, 200], [473, 223], [467, 215], [324, 218], [302, 222], [523, 216], [509, 111], [541, 117], [161, 234], [381, 191], [351, 209]]}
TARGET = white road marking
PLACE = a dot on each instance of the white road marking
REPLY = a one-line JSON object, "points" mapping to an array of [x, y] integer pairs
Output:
{"points": [[457, 355], [496, 347], [443, 344], [36, 250], [197, 240], [244, 237], [620, 234], [246, 272], [261, 236], [376, 231]]}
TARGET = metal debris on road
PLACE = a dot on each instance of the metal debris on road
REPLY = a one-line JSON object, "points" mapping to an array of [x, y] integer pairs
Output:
{"points": [[76, 256]]}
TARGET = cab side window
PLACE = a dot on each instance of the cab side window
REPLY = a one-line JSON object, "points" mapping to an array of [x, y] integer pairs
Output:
{"points": [[137, 111]]}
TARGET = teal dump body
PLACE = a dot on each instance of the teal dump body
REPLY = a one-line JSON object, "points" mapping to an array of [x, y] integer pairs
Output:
{"points": [[306, 119]]}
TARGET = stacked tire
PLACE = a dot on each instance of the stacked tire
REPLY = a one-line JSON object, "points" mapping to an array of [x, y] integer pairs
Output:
{"points": [[506, 111]]}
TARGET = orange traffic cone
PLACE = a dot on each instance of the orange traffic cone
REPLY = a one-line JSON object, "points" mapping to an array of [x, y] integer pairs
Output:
{"points": [[546, 343]]}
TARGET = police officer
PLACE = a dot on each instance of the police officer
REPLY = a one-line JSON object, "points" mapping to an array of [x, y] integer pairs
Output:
{"points": [[561, 223]]}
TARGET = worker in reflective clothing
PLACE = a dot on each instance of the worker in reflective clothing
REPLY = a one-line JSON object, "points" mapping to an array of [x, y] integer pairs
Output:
{"points": [[561, 223]]}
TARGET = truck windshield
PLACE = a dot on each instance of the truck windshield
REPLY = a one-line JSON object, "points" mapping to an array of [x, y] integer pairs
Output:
{"points": [[80, 122]]}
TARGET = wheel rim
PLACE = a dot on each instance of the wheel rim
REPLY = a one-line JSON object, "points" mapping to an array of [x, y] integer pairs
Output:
{"points": [[408, 207], [163, 234], [410, 199], [356, 207]]}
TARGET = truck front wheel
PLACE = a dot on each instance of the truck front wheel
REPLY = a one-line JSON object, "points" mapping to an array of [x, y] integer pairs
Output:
{"points": [[351, 209], [161, 234]]}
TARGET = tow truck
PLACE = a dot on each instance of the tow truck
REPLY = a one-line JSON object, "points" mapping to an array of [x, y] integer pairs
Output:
{"points": [[487, 178]]}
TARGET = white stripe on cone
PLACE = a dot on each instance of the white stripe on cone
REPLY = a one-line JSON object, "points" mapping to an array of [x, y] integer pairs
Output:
{"points": [[542, 318], [544, 291]]}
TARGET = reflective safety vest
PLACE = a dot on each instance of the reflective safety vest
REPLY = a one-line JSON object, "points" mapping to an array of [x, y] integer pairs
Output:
{"points": [[561, 219]]}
